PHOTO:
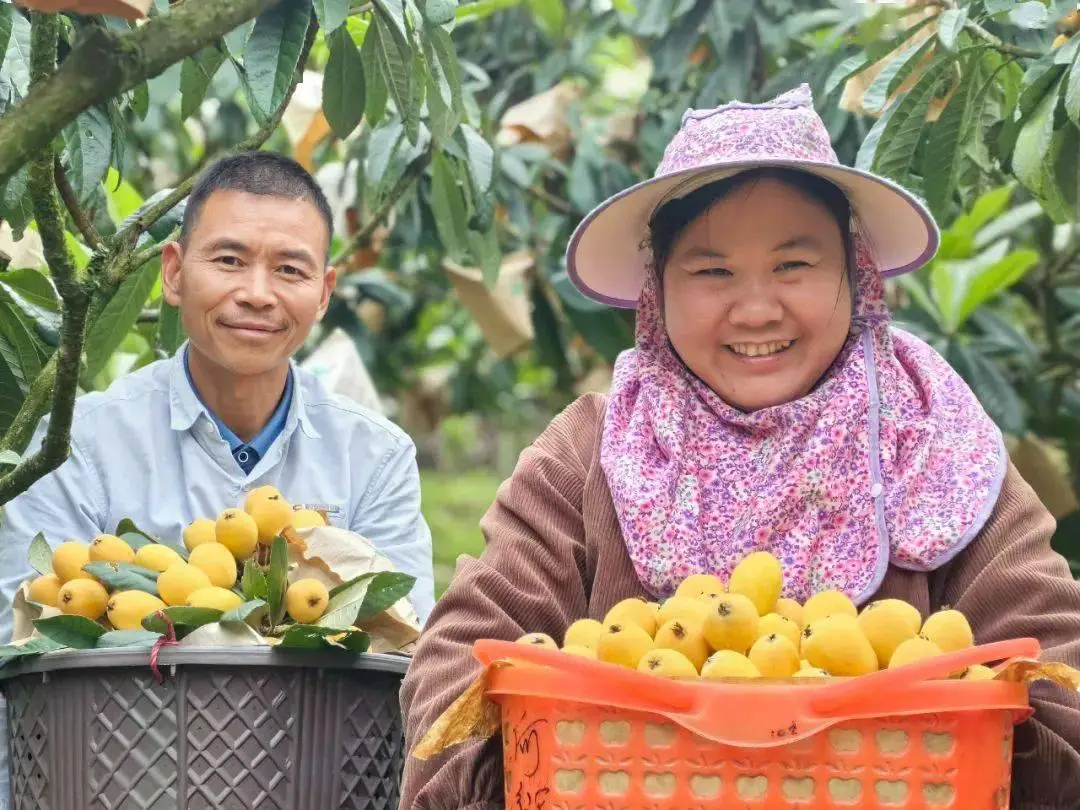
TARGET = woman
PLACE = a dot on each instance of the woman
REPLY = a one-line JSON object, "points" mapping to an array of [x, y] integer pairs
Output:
{"points": [[766, 405]]}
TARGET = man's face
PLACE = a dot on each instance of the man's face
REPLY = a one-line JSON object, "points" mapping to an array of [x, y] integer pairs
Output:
{"points": [[251, 281]]}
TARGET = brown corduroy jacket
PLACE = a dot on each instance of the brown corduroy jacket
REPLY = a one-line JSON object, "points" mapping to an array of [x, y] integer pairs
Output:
{"points": [[555, 554]]}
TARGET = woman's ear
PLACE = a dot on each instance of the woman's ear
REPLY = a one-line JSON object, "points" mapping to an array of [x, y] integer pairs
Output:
{"points": [[172, 259]]}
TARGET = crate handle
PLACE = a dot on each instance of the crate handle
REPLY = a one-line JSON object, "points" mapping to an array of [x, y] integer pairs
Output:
{"points": [[840, 698], [732, 712]]}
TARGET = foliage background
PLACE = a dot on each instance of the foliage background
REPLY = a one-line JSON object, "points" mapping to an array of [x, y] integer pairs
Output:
{"points": [[461, 144]]}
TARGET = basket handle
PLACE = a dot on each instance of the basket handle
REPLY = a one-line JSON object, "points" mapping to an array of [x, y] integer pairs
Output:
{"points": [[607, 680], [836, 698]]}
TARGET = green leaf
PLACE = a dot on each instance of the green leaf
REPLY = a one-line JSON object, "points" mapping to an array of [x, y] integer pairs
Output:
{"points": [[128, 638], [343, 84], [76, 632], [6, 12], [306, 637], [447, 60], [33, 292], [88, 150], [253, 582], [127, 526], [170, 332], [197, 73], [33, 295], [1072, 92], [893, 75], [9, 458], [896, 152], [147, 573], [250, 613], [396, 67], [15, 76], [184, 619], [354, 641], [481, 158], [35, 646], [392, 14], [990, 385], [16, 207], [332, 14], [945, 145], [949, 25], [40, 554], [366, 596], [550, 16], [277, 578], [25, 354], [272, 53], [1033, 144], [868, 150], [140, 100], [448, 206], [118, 317], [439, 12], [112, 575], [961, 287], [845, 70], [375, 89], [1031, 15], [486, 252]]}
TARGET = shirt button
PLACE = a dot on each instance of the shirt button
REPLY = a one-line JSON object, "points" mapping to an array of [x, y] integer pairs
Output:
{"points": [[243, 456], [876, 490]]}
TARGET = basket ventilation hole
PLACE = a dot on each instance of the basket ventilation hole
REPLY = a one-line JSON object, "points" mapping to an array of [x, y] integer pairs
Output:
{"points": [[845, 790], [705, 787], [615, 732], [845, 740], [752, 788], [570, 732], [939, 795], [569, 781], [937, 744], [660, 785], [894, 793], [659, 736], [615, 783], [892, 742], [798, 789]]}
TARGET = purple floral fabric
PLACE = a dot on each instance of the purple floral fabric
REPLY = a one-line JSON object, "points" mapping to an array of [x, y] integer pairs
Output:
{"points": [[890, 458]]}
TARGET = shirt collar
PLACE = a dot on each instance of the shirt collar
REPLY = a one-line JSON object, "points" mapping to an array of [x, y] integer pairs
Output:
{"points": [[185, 406]]}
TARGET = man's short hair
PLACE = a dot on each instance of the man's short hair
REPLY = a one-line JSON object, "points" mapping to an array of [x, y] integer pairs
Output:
{"points": [[256, 172]]}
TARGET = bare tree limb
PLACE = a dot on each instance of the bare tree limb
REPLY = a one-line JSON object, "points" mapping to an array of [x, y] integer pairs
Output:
{"points": [[361, 238], [127, 237], [45, 29], [106, 63], [71, 202]]}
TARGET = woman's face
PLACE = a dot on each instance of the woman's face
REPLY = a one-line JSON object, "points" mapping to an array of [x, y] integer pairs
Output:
{"points": [[756, 297]]}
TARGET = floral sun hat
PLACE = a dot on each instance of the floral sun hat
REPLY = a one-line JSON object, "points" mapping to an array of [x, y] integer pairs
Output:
{"points": [[714, 144]]}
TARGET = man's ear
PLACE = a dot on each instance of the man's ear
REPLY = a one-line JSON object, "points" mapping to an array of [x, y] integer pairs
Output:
{"points": [[172, 257], [329, 284]]}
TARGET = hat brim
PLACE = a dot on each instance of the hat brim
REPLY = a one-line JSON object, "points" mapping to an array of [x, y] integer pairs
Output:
{"points": [[607, 257]]}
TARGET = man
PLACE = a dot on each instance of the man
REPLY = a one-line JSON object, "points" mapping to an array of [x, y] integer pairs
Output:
{"points": [[186, 437]]}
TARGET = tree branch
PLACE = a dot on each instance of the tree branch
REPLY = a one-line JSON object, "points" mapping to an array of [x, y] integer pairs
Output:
{"points": [[413, 173], [998, 43], [48, 214], [71, 202], [125, 239], [106, 63]]}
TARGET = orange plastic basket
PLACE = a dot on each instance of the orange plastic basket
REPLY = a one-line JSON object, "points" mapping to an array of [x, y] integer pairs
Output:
{"points": [[585, 735]]}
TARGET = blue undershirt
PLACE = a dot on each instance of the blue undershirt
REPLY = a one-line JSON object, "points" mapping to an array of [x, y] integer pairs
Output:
{"points": [[247, 454]]}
